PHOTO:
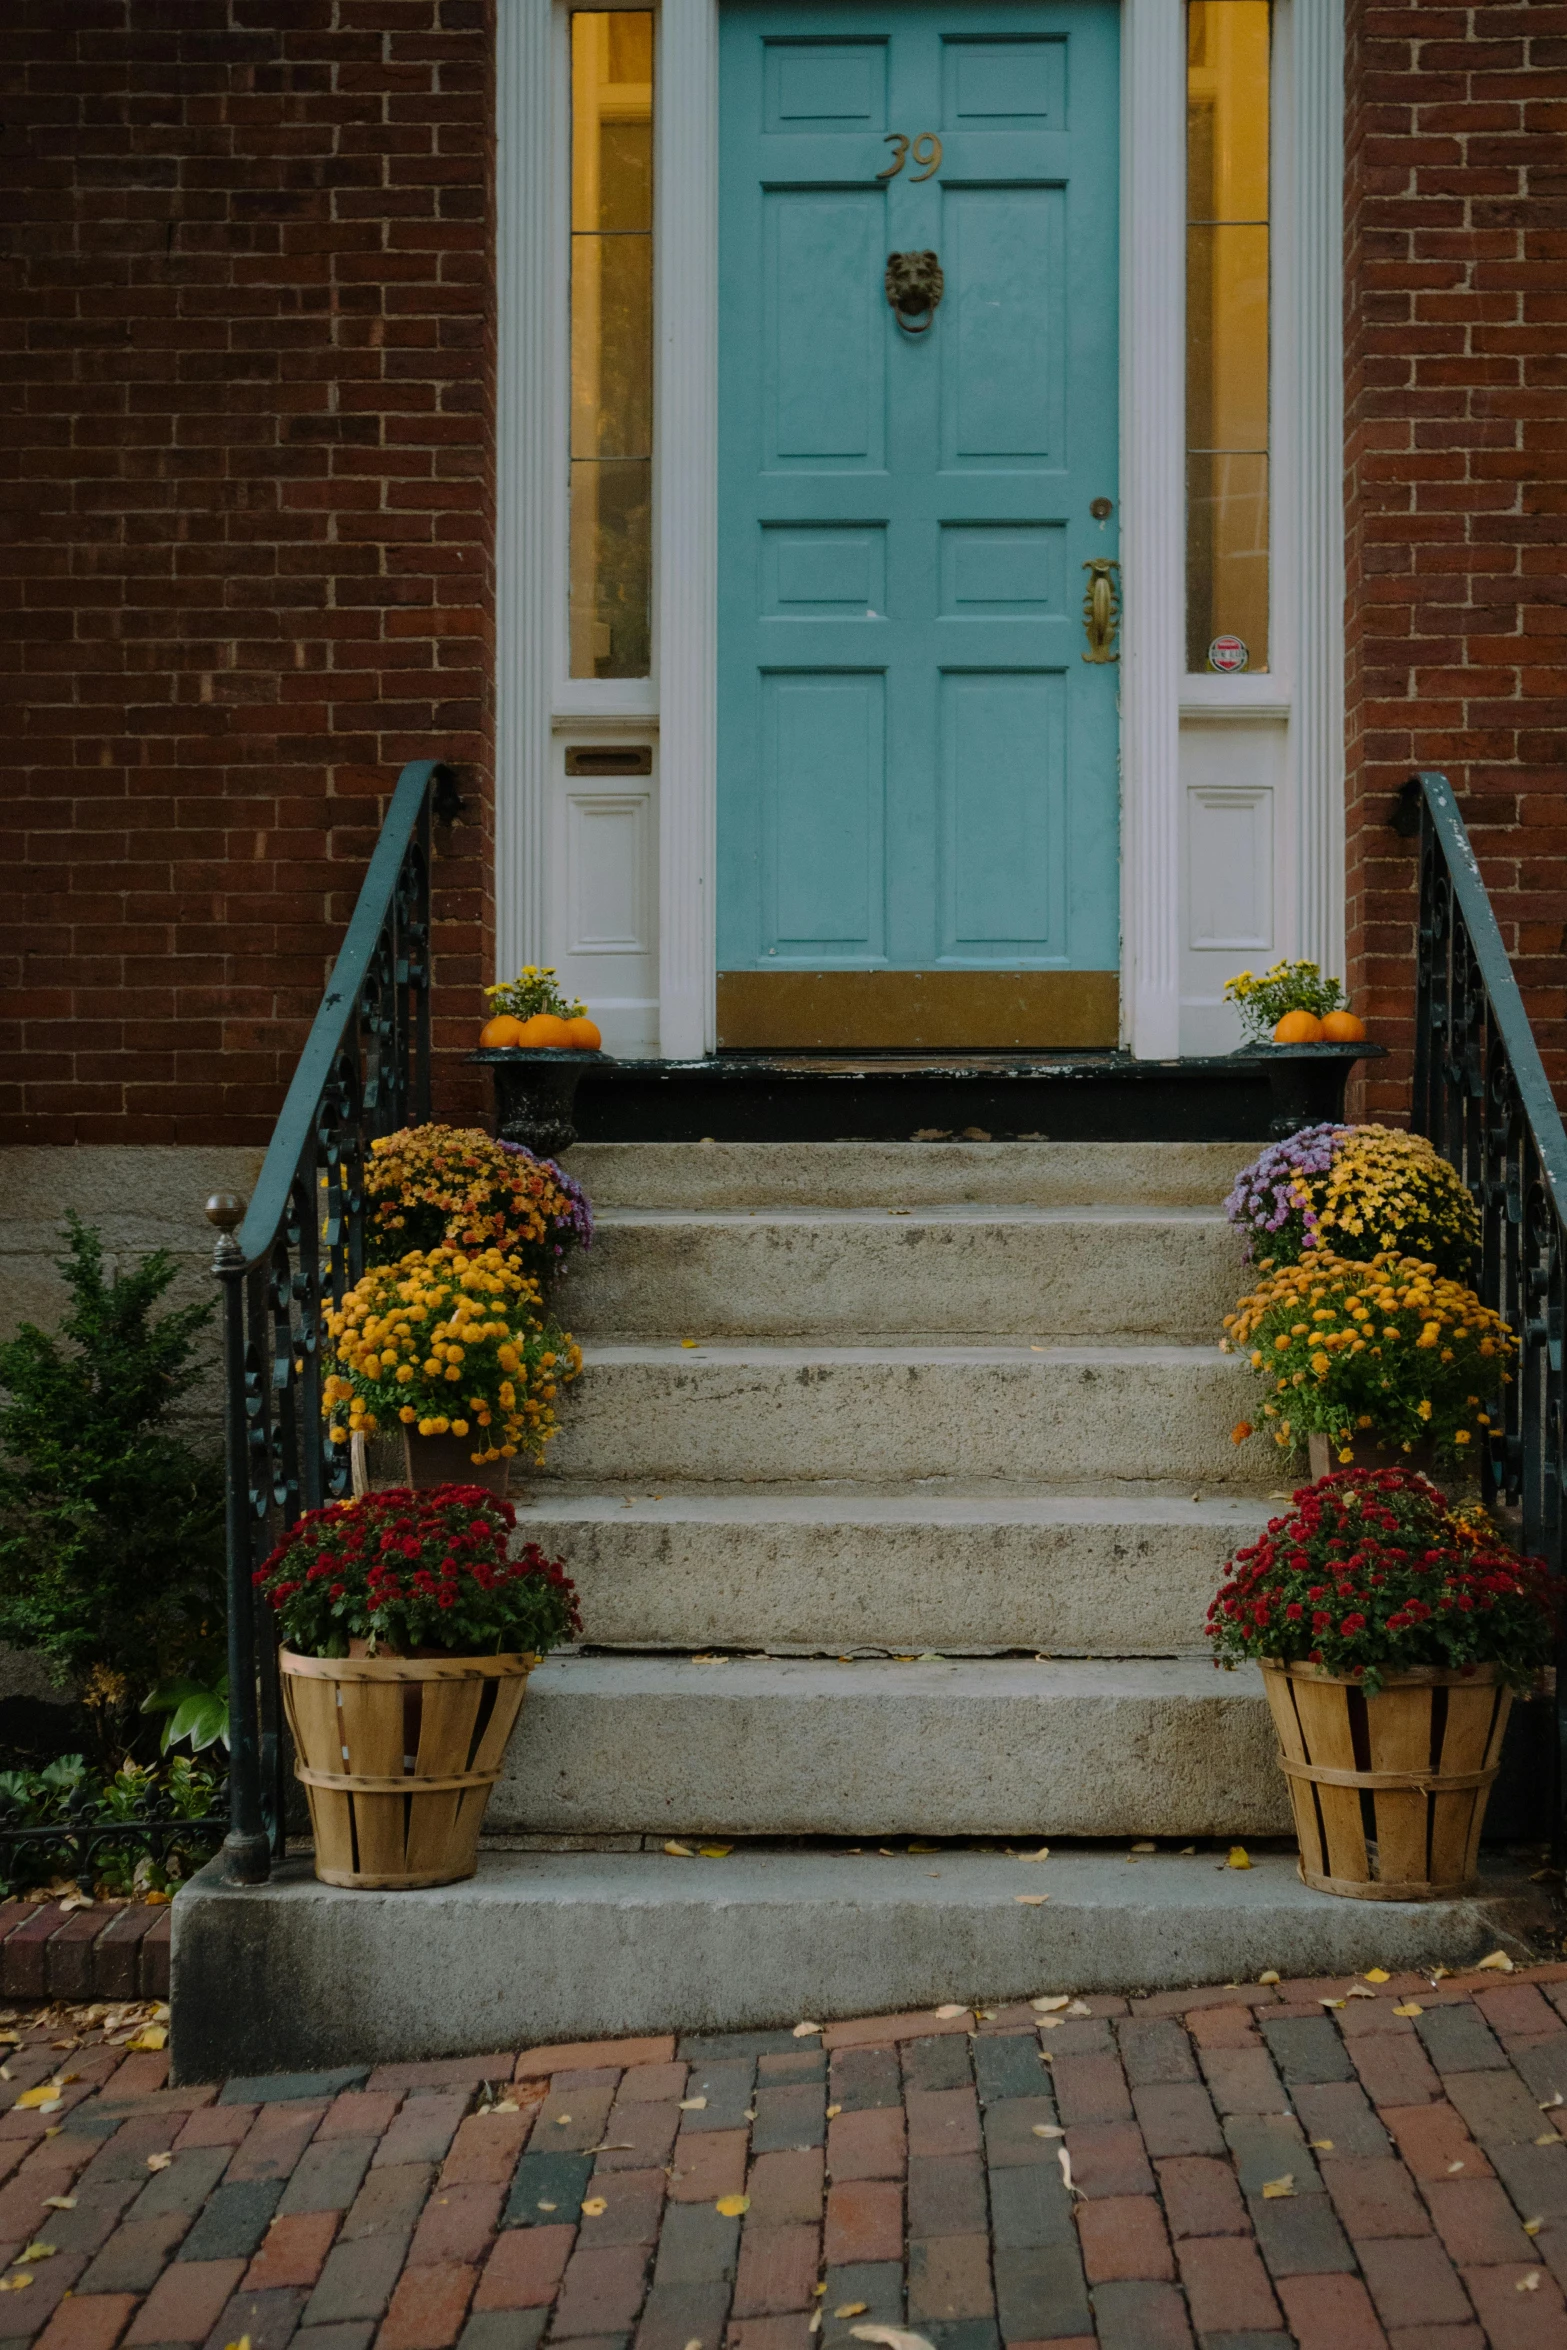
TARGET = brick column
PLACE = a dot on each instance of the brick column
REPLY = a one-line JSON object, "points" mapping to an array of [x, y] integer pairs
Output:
{"points": [[1456, 480]]}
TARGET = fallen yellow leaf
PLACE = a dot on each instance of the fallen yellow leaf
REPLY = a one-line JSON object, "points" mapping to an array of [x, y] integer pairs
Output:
{"points": [[1322, 2145], [37, 2250], [1144, 1847], [693, 2105], [1548, 2139], [833, 2112], [731, 2206], [595, 2207], [68, 2202], [1377, 1974], [1330, 2002], [43, 2099], [1437, 1972], [561, 2119], [1239, 1858], [1031, 1900], [804, 2029], [679, 1851], [1269, 1975], [1453, 2168], [1532, 2227], [715, 1851], [1042, 1854], [14, 2284], [1053, 2005], [154, 2037], [690, 1342], [1499, 1963], [851, 2309], [1048, 2130], [890, 2337], [1409, 2007], [1528, 2284], [1273, 2189], [953, 2007]]}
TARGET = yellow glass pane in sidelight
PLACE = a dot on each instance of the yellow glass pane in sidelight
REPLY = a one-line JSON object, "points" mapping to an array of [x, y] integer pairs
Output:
{"points": [[1227, 328], [611, 447], [1226, 555]]}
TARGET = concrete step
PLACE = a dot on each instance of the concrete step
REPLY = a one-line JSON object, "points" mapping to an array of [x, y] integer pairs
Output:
{"points": [[735, 1414], [816, 1569], [907, 1174], [577, 1946], [785, 1747], [925, 1273]]}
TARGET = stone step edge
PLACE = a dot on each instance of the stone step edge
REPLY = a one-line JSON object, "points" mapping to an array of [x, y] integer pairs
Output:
{"points": [[740, 1676], [703, 1946], [875, 1218], [587, 1501], [740, 1354]]}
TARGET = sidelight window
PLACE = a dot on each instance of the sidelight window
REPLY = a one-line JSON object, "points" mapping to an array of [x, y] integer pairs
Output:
{"points": [[611, 456], [1227, 337]]}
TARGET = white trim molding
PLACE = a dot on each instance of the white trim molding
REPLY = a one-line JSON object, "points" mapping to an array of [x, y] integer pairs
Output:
{"points": [[525, 476], [686, 439], [1317, 288], [1153, 517]]}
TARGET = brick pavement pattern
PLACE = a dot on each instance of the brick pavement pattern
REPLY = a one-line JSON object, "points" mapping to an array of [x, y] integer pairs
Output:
{"points": [[1339, 2165]]}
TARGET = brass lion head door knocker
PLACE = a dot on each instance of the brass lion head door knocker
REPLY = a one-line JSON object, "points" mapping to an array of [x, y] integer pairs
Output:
{"points": [[914, 286]]}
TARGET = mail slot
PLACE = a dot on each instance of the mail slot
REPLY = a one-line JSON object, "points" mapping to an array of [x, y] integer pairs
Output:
{"points": [[609, 759]]}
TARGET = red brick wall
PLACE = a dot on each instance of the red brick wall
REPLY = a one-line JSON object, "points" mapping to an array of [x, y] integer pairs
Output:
{"points": [[247, 318], [1456, 364]]}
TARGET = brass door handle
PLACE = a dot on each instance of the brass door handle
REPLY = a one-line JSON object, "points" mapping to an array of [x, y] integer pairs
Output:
{"points": [[1102, 609]]}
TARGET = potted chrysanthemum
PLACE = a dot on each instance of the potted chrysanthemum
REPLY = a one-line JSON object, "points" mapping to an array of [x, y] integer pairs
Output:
{"points": [[408, 1636], [1392, 1630], [433, 1186], [1352, 1191], [1385, 1357], [451, 1354]]}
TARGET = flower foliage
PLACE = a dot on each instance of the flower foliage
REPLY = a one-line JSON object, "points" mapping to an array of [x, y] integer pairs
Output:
{"points": [[432, 1184], [405, 1571], [1287, 987], [448, 1344], [1387, 1346], [1355, 1190], [1371, 1573], [533, 990]]}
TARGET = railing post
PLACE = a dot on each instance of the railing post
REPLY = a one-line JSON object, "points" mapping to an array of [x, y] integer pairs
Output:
{"points": [[247, 1857]]}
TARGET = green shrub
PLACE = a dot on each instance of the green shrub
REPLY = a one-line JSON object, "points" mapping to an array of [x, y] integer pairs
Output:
{"points": [[111, 1520]]}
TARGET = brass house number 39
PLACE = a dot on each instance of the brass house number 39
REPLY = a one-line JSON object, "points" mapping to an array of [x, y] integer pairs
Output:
{"points": [[926, 149]]}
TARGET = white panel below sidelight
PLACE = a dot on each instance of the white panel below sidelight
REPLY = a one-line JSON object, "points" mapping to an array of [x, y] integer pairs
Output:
{"points": [[601, 919], [1236, 831]]}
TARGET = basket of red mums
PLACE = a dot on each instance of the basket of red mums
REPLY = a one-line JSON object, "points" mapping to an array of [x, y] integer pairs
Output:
{"points": [[1392, 1631], [408, 1636]]}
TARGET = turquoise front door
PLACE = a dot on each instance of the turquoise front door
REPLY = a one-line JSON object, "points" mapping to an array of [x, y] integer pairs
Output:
{"points": [[918, 797]]}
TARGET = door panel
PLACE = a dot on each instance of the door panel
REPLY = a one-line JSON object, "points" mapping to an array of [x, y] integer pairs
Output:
{"points": [[917, 769]]}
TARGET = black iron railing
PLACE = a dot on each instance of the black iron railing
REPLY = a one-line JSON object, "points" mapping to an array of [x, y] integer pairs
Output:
{"points": [[365, 1071], [1483, 1098]]}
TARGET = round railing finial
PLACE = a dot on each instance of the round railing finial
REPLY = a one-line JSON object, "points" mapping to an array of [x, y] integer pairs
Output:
{"points": [[225, 1209]]}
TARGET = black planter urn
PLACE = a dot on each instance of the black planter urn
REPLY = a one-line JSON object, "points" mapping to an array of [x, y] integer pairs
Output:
{"points": [[1307, 1081], [536, 1092]]}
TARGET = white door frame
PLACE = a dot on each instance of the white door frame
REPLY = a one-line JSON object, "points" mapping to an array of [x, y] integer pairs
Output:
{"points": [[1306, 688]]}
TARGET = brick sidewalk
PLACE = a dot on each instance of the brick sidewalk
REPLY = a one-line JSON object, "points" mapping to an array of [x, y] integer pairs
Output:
{"points": [[753, 2191]]}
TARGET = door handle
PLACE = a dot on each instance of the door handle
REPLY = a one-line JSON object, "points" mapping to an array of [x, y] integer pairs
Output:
{"points": [[1102, 609]]}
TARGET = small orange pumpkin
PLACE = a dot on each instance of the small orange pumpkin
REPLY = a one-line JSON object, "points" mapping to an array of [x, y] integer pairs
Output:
{"points": [[504, 1029], [584, 1034], [1298, 1028], [1342, 1028], [544, 1029]]}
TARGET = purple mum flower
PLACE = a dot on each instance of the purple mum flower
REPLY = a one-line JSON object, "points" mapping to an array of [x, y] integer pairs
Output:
{"points": [[1268, 1199]]}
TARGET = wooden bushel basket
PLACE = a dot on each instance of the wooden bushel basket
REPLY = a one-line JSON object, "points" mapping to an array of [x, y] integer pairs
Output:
{"points": [[1389, 1792], [398, 1756]]}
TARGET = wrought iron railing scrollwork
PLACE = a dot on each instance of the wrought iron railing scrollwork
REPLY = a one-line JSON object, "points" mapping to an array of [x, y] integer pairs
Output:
{"points": [[295, 1250], [1482, 1097]]}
